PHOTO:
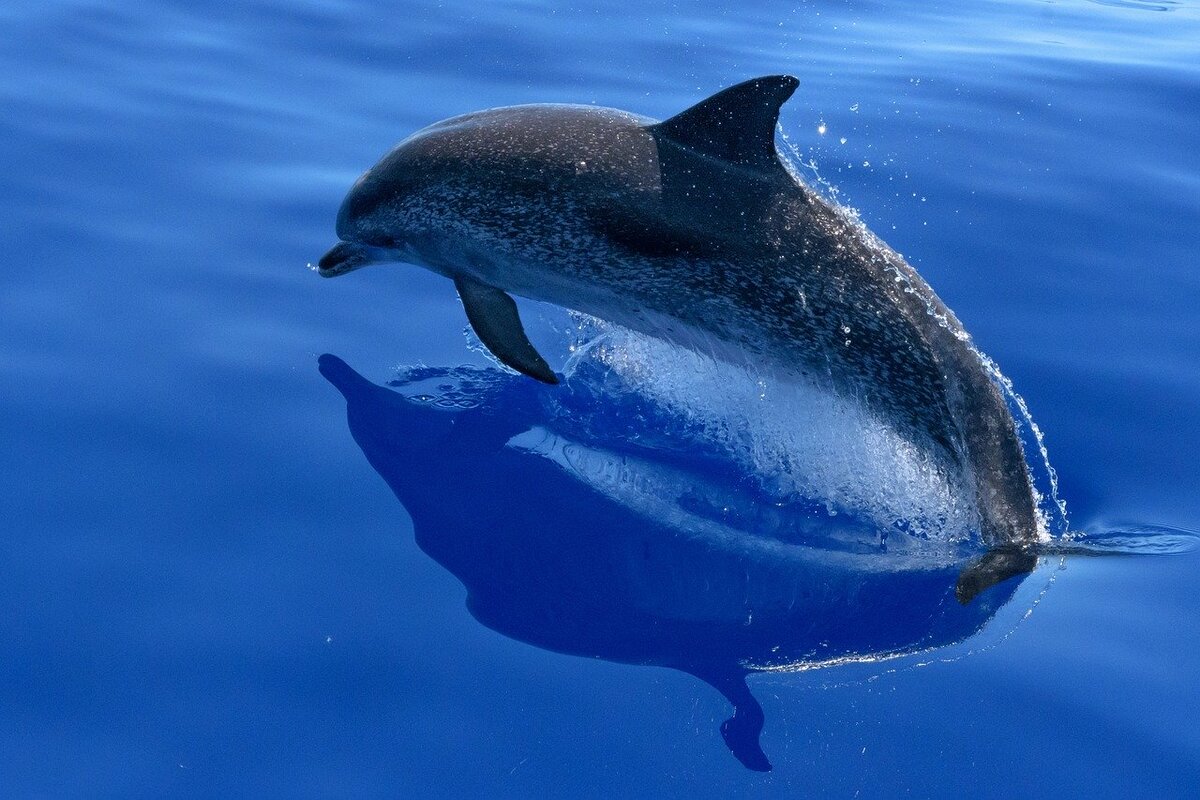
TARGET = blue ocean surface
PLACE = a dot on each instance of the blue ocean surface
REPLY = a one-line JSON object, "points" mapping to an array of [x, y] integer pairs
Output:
{"points": [[267, 535]]}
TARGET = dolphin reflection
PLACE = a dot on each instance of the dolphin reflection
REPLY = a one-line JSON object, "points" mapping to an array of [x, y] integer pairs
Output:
{"points": [[579, 545]]}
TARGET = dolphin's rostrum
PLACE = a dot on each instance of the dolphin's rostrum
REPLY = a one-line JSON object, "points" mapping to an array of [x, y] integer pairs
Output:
{"points": [[694, 231]]}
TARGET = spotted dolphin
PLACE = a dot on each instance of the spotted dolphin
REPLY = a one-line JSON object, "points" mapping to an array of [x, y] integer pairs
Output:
{"points": [[695, 231]]}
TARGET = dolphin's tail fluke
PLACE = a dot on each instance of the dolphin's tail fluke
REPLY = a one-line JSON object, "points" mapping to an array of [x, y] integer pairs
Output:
{"points": [[993, 567]]}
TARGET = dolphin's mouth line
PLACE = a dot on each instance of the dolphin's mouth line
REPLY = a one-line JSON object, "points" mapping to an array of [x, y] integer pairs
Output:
{"points": [[349, 256], [344, 257]]}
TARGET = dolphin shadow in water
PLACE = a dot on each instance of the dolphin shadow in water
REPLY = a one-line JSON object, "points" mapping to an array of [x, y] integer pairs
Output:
{"points": [[574, 546]]}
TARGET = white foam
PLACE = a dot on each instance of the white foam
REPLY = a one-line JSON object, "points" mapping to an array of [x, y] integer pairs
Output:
{"points": [[799, 441]]}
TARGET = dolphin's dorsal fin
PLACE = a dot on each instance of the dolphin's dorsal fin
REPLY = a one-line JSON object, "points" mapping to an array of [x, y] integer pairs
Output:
{"points": [[736, 124], [493, 316]]}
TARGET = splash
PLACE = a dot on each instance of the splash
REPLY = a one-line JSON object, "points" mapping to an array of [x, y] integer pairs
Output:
{"points": [[782, 442], [789, 442], [1051, 508]]}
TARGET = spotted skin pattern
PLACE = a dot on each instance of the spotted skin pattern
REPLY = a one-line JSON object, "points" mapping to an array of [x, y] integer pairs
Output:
{"points": [[694, 231]]}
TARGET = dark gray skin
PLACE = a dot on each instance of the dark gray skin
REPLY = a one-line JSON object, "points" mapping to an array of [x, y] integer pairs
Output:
{"points": [[690, 230]]}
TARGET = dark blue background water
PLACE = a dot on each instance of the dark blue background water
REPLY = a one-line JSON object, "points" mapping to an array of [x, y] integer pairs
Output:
{"points": [[208, 590]]}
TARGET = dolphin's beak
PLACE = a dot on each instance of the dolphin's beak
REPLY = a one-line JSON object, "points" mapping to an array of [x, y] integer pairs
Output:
{"points": [[344, 257]]}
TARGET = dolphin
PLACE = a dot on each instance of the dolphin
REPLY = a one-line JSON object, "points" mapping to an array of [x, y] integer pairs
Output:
{"points": [[692, 230]]}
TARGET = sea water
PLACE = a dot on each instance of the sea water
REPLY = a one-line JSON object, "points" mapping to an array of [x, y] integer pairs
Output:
{"points": [[216, 583]]}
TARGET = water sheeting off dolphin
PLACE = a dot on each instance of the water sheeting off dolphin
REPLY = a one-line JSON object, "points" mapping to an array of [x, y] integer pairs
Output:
{"points": [[694, 231]]}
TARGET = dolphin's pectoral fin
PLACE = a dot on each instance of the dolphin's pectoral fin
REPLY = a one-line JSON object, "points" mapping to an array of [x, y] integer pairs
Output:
{"points": [[493, 317], [737, 124], [993, 567]]}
